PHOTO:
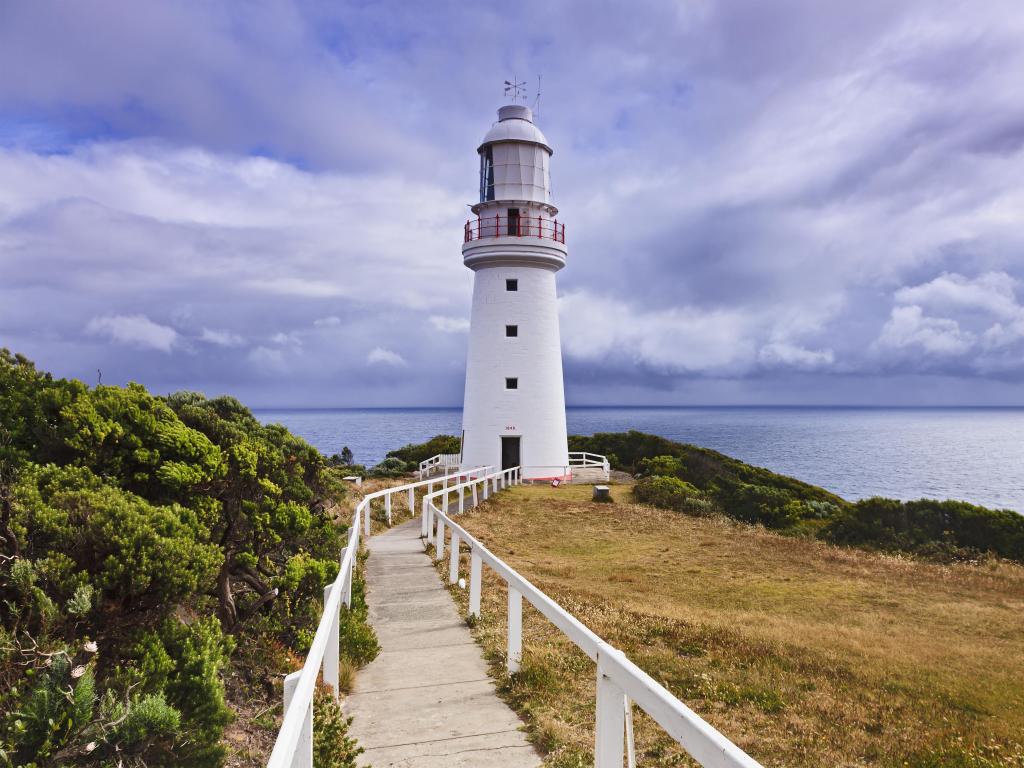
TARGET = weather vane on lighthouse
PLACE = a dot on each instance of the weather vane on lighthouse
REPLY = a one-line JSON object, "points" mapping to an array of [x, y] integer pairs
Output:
{"points": [[515, 88]]}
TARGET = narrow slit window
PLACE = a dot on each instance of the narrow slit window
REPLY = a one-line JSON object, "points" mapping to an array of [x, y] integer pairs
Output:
{"points": [[511, 383], [511, 331], [511, 285]]}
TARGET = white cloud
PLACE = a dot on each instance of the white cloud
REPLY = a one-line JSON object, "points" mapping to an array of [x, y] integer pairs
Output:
{"points": [[991, 292], [449, 324], [135, 331], [267, 358], [782, 354], [331, 321], [909, 327], [381, 356], [221, 338], [296, 286], [292, 339], [681, 340]]}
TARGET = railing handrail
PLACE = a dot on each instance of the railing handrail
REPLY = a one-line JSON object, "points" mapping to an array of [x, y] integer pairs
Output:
{"points": [[700, 739], [524, 226], [588, 459], [297, 722], [301, 698], [440, 459]]}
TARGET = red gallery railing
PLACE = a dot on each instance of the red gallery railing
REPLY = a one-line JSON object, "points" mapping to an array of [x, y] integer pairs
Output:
{"points": [[514, 226]]}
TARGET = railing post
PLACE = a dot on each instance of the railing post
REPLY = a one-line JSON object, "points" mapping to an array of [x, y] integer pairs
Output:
{"points": [[630, 742], [453, 561], [610, 727], [412, 502], [462, 499], [303, 757], [331, 654], [487, 484], [439, 540], [387, 508], [346, 596], [366, 518], [515, 631], [424, 528], [475, 569], [475, 499]]}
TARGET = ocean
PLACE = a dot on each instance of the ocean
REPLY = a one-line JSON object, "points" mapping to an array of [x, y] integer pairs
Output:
{"points": [[972, 454]]}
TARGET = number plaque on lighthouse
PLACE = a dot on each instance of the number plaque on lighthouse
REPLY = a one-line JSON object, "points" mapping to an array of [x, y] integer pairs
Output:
{"points": [[514, 409]]}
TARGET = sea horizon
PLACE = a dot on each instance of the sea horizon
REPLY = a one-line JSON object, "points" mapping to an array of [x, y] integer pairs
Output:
{"points": [[970, 453]]}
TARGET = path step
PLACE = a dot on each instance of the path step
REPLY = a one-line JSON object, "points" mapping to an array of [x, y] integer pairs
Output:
{"points": [[426, 700]]}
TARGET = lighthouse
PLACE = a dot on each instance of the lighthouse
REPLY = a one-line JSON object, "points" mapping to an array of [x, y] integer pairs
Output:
{"points": [[514, 408]]}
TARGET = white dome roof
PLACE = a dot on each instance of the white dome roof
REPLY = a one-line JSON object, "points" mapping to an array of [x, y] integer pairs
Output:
{"points": [[515, 123]]}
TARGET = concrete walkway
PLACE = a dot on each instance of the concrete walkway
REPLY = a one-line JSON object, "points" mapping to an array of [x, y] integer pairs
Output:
{"points": [[426, 700]]}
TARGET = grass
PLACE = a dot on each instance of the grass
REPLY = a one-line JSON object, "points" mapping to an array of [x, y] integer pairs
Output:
{"points": [[802, 653]]}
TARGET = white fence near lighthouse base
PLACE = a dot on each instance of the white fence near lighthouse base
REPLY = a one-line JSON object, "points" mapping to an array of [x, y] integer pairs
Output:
{"points": [[585, 460], [442, 462], [620, 683]]}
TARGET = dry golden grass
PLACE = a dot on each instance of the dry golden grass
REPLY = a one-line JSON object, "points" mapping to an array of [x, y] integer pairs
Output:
{"points": [[802, 653]]}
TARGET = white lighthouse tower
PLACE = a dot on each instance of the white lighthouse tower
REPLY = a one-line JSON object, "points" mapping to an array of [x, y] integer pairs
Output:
{"points": [[514, 410]]}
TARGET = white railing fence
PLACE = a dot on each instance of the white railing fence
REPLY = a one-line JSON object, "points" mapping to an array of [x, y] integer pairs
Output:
{"points": [[294, 745], [620, 683], [409, 492], [585, 460], [441, 461]]}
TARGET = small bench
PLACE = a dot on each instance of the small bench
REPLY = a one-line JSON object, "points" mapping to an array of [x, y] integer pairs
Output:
{"points": [[601, 493], [353, 479]]}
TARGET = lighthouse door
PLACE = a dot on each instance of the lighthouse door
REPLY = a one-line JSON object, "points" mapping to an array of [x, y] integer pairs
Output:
{"points": [[509, 452]]}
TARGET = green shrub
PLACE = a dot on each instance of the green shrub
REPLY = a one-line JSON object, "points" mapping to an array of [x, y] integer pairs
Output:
{"points": [[332, 746], [697, 480], [659, 465], [672, 493], [953, 529], [414, 453], [392, 467], [164, 526]]}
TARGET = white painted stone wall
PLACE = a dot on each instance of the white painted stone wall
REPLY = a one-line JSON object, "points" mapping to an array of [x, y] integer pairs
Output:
{"points": [[536, 410]]}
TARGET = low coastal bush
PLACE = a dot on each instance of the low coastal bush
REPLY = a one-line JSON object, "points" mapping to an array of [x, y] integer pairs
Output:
{"points": [[696, 480], [414, 453], [392, 466], [143, 540], [672, 493], [953, 529]]}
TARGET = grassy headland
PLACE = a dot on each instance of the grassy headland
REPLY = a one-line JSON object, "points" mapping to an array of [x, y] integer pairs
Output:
{"points": [[804, 653]]}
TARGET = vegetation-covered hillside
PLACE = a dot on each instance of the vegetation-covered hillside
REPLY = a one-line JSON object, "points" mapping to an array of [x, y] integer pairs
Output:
{"points": [[698, 481], [143, 540]]}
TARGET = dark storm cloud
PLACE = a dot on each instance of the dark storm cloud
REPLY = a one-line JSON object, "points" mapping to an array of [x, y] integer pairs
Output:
{"points": [[794, 202]]}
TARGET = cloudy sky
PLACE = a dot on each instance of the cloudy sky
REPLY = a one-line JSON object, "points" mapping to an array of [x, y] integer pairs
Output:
{"points": [[787, 202]]}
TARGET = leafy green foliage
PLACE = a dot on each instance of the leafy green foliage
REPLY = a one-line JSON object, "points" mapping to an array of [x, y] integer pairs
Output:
{"points": [[672, 493], [695, 480], [332, 746], [392, 466], [414, 453], [952, 529], [151, 532]]}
